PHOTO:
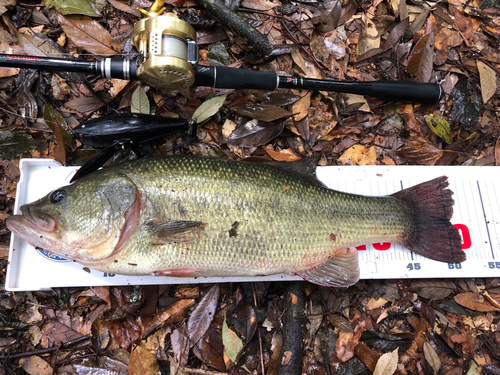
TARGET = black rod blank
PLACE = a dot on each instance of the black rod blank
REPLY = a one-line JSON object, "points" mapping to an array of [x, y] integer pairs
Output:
{"points": [[232, 78]]}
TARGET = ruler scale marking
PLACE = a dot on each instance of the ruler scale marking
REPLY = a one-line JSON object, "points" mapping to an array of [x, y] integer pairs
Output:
{"points": [[486, 221]]}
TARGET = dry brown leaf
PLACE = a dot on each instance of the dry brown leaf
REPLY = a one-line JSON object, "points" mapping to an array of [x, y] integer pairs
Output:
{"points": [[300, 108], [142, 362], [432, 289], [497, 152], [488, 80], [171, 314], [445, 39], [35, 365], [89, 34], [202, 315], [369, 38], [463, 25], [125, 8], [474, 301], [359, 155], [283, 155], [419, 150], [421, 58], [387, 363], [260, 4], [432, 358], [375, 303], [347, 341]]}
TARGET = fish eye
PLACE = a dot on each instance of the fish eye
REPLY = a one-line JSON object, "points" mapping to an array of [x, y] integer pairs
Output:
{"points": [[57, 195]]}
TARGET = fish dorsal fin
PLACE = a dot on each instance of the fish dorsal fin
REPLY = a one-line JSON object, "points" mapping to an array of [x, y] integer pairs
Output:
{"points": [[337, 271], [306, 166], [176, 231]]}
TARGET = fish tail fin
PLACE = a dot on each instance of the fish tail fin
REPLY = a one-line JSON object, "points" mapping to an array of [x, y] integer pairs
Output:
{"points": [[432, 234]]}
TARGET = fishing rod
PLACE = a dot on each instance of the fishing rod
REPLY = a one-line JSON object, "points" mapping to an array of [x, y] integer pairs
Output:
{"points": [[168, 59]]}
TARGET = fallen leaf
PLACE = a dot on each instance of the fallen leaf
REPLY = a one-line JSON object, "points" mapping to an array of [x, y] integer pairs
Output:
{"points": [[387, 363], [142, 362], [420, 61], [463, 25], [35, 365], [419, 150], [232, 343], [255, 133], [300, 108], [488, 80], [359, 155], [202, 316], [282, 155], [140, 102], [368, 38], [208, 108], [260, 4], [125, 8], [14, 144], [170, 314], [82, 105], [180, 345], [73, 7], [440, 127], [432, 289], [88, 34], [263, 112], [474, 301], [432, 358]]}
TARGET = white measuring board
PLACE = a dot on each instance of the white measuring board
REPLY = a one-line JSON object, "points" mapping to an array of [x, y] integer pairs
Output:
{"points": [[476, 215]]}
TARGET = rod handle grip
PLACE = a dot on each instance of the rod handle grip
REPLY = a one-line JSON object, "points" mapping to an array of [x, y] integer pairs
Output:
{"points": [[222, 77], [425, 93]]}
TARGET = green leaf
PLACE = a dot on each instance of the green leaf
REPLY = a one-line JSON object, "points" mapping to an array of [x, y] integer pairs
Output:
{"points": [[73, 7], [140, 102], [232, 343], [208, 108], [440, 127], [13, 144]]}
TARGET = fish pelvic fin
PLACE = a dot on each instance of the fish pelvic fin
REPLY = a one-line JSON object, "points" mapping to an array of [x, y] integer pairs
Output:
{"points": [[176, 231], [338, 271], [432, 234]]}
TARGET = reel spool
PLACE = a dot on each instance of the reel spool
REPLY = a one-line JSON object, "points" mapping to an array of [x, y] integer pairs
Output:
{"points": [[169, 50]]}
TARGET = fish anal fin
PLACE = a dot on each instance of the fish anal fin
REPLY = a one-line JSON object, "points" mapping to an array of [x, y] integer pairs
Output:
{"points": [[340, 270], [175, 231], [180, 272]]}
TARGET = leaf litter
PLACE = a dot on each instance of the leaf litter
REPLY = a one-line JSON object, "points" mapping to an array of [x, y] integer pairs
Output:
{"points": [[422, 326]]}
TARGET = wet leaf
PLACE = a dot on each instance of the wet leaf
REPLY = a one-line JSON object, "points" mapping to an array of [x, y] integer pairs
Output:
{"points": [[244, 321], [488, 80], [387, 363], [202, 316], [354, 366], [142, 362], [232, 343], [99, 335], [73, 7], [432, 358], [140, 102], [264, 112], [208, 108], [125, 8], [35, 365], [386, 342], [88, 34], [255, 133], [339, 322], [453, 307], [432, 289], [14, 144], [440, 127], [421, 58], [210, 349], [367, 355], [474, 301], [466, 105]]}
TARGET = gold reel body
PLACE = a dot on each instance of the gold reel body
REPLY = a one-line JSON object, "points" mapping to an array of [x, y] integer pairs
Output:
{"points": [[169, 51]]}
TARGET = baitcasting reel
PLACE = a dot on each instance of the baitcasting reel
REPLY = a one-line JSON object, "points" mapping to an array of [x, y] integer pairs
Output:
{"points": [[168, 48]]}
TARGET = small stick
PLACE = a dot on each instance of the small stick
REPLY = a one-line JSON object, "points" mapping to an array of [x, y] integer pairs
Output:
{"points": [[48, 350]]}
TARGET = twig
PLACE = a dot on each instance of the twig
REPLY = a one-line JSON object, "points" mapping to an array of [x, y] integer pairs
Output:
{"points": [[238, 25], [48, 350], [202, 372], [294, 324]]}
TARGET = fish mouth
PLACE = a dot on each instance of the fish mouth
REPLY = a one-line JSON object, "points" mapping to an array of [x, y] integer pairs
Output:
{"points": [[38, 220]]}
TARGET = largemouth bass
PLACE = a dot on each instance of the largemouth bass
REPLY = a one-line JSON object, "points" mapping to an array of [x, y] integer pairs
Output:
{"points": [[189, 216]]}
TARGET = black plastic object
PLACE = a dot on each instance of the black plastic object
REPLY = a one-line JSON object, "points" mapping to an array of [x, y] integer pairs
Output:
{"points": [[122, 130], [122, 127], [232, 78]]}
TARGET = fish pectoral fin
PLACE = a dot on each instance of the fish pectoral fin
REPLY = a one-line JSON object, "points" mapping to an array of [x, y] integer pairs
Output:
{"points": [[176, 231], [337, 271]]}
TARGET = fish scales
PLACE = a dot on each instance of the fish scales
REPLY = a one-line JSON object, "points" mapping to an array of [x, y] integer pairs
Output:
{"points": [[187, 216], [285, 221]]}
